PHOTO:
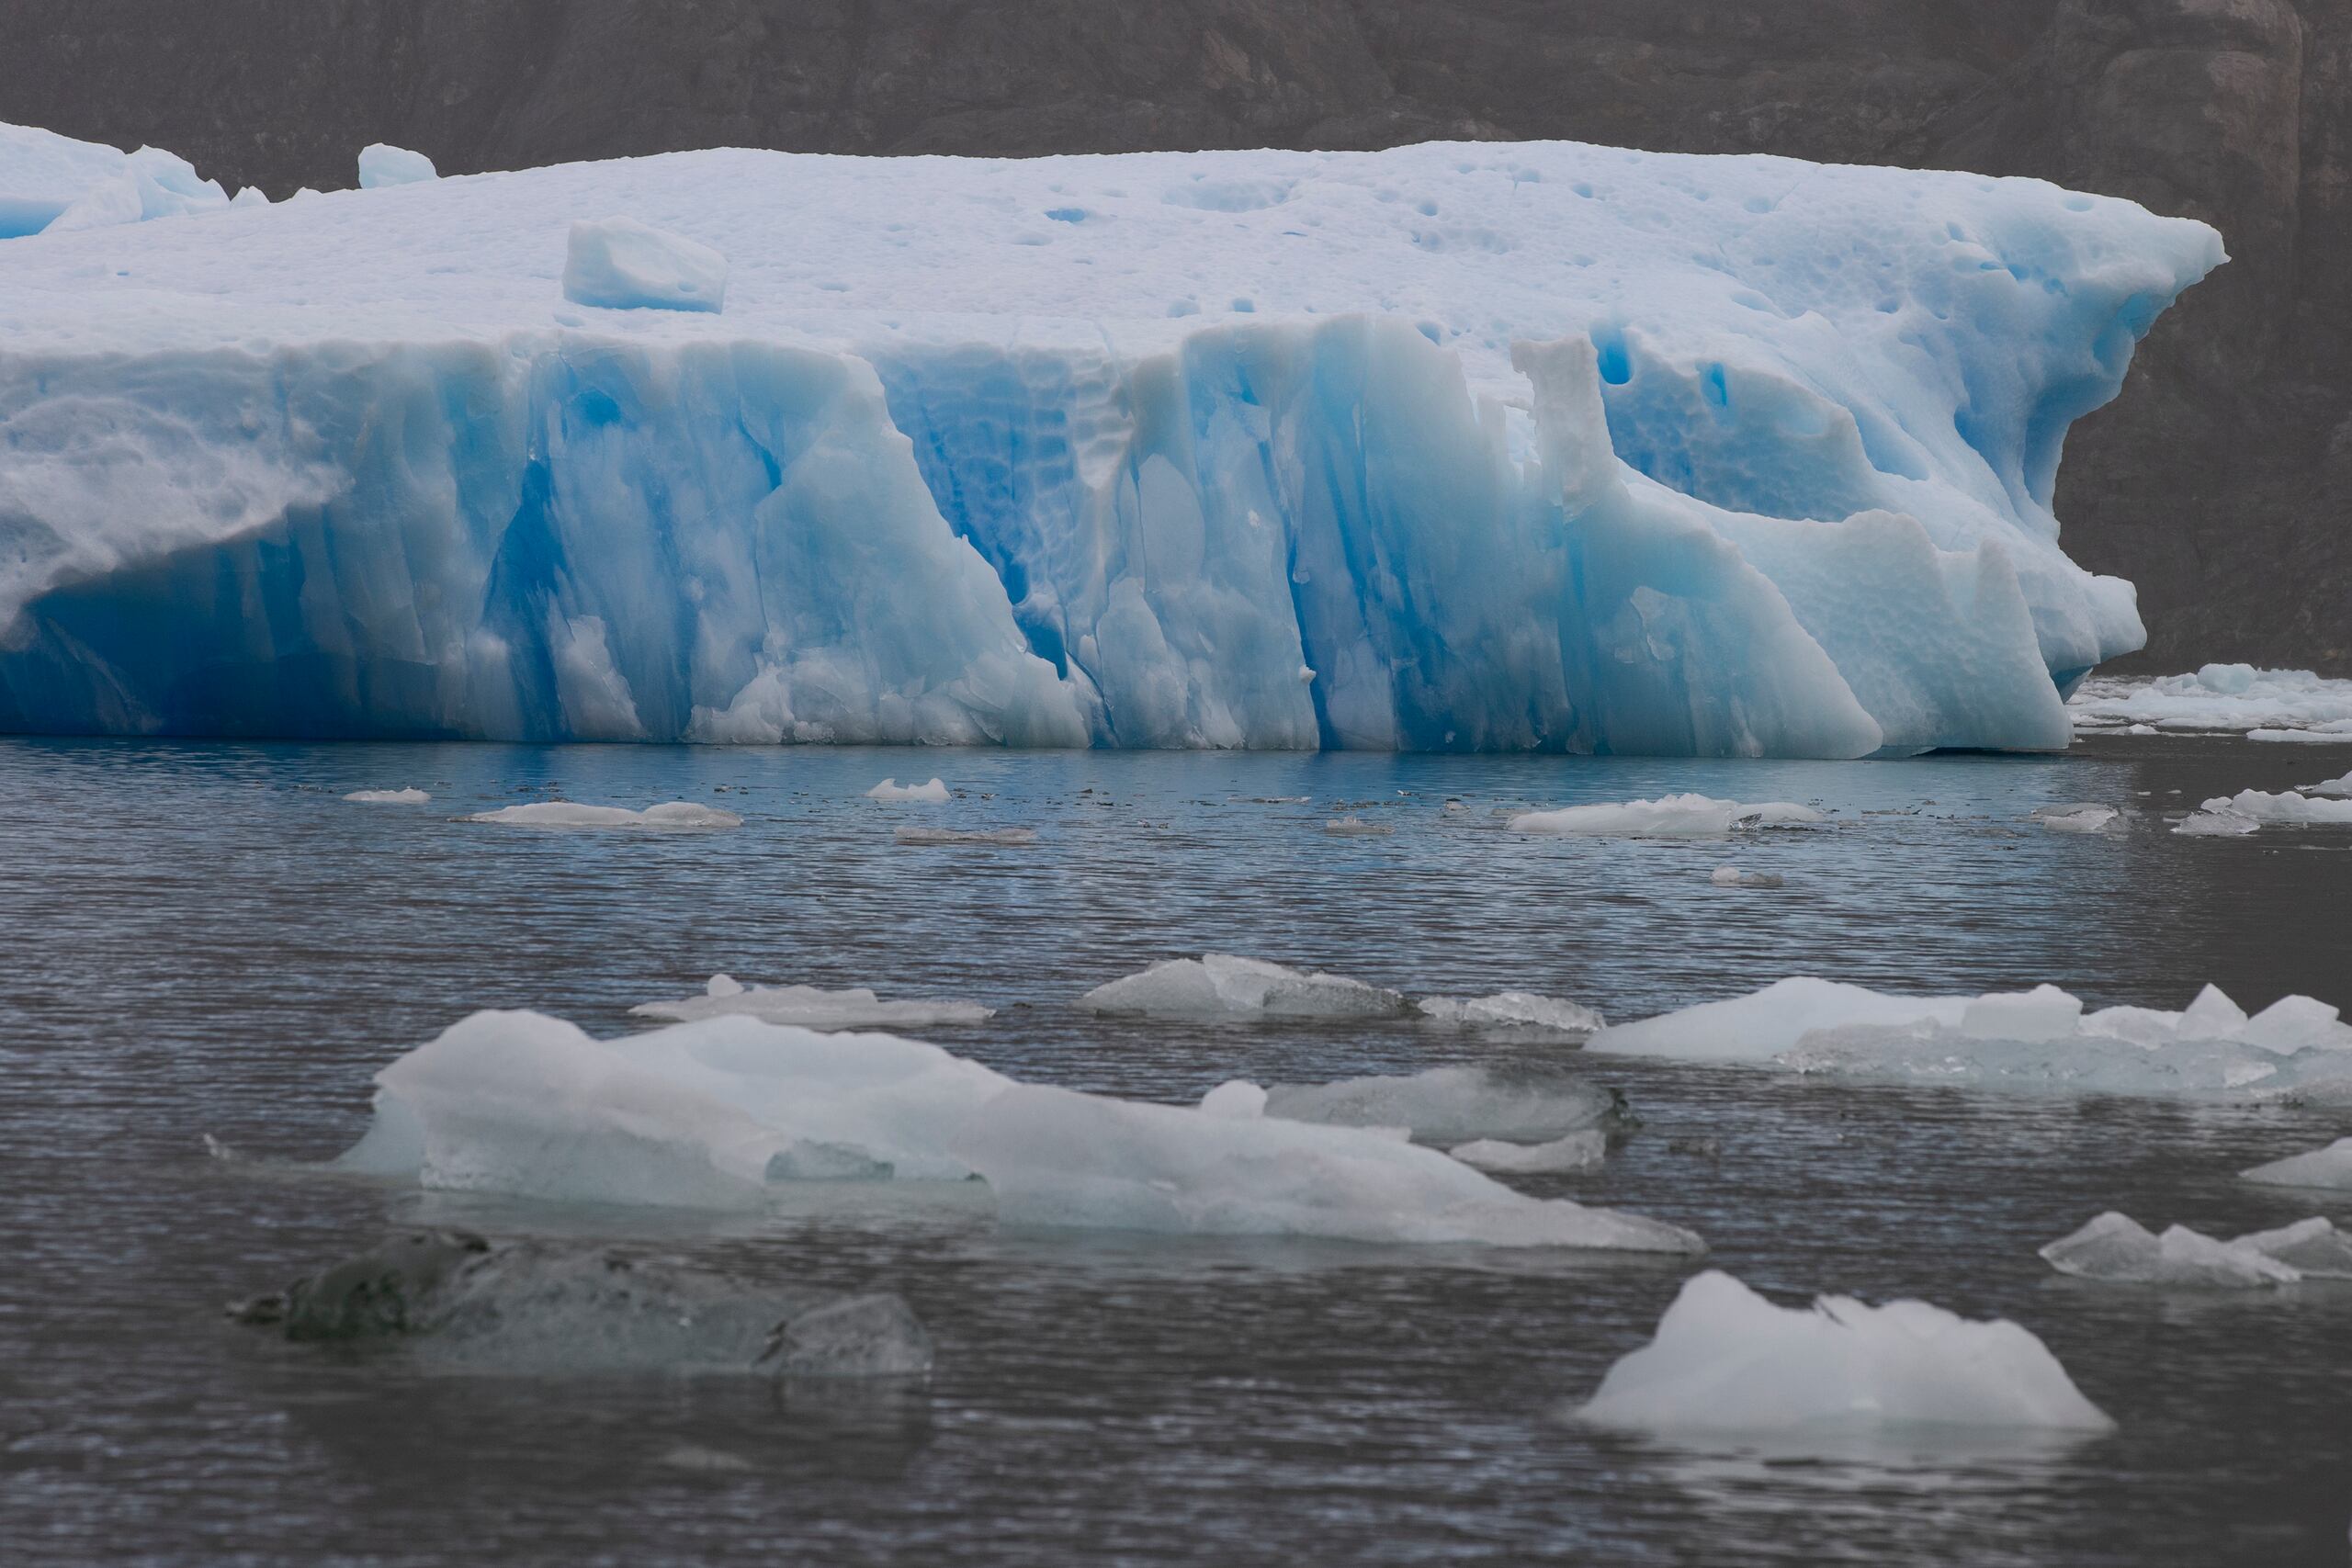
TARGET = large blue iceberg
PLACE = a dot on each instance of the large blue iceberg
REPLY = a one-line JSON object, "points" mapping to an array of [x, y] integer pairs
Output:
{"points": [[1455, 446]]}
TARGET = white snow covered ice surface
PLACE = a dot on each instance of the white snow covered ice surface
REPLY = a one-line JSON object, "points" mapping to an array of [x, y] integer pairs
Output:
{"points": [[722, 1113], [1453, 447], [1726, 1360], [2039, 1040], [52, 183]]}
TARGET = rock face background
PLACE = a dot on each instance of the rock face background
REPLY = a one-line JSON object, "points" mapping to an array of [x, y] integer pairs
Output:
{"points": [[2221, 481]]}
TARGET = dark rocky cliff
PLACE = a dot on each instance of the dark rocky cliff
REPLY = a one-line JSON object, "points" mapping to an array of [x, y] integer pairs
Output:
{"points": [[2221, 481]]}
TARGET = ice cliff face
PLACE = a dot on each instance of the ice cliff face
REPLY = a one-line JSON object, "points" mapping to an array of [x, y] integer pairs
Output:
{"points": [[1471, 447]]}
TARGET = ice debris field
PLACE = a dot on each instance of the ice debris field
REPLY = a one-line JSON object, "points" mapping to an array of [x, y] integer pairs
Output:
{"points": [[2292, 705], [1453, 446]]}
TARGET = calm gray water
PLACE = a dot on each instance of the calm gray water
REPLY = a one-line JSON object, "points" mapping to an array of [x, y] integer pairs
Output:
{"points": [[204, 939]]}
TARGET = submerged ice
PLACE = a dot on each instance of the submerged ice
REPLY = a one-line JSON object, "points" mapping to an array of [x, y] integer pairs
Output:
{"points": [[1537, 447], [720, 1112]]}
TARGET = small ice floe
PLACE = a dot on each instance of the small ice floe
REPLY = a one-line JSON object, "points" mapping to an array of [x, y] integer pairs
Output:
{"points": [[674, 815], [1726, 1360], [2336, 734], [2117, 1247], [1447, 1106], [809, 1007], [1731, 876], [2041, 1039], [389, 796], [1520, 1012], [931, 794], [2328, 1167], [1576, 1151], [1357, 827], [966, 835], [2227, 699], [1220, 986], [2332, 789], [2284, 808], [2223, 823], [2081, 818], [1669, 816], [622, 264], [457, 1302], [215, 1149], [697, 1114]]}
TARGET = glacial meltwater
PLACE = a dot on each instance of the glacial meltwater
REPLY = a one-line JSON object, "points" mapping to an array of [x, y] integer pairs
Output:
{"points": [[211, 950]]}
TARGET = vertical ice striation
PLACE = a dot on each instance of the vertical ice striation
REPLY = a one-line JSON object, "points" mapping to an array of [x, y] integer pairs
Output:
{"points": [[1620, 453]]}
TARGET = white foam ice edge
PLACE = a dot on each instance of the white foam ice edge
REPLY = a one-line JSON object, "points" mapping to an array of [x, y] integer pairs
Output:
{"points": [[1726, 1360], [2042, 1039], [723, 1112], [2116, 1247], [1220, 986]]}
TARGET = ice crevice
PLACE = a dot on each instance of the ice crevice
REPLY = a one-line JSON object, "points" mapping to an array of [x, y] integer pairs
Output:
{"points": [[270, 487]]}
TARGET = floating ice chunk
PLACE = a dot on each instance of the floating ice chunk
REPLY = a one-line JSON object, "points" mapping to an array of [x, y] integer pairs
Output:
{"points": [[1357, 827], [389, 796], [2335, 789], [810, 1007], [1576, 1151], [2272, 704], [1518, 1011], [2336, 734], [1219, 985], [2037, 1040], [1452, 1105], [966, 835], [672, 815], [1731, 876], [1669, 817], [2285, 807], [931, 794], [2312, 1248], [381, 163], [1725, 1359], [624, 264], [700, 1115], [1764, 1024], [2080, 819], [875, 1335], [2327, 1167], [2115, 1247], [2223, 824]]}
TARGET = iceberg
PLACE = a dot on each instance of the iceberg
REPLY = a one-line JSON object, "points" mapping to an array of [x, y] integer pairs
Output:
{"points": [[2220, 699], [2041, 1040], [1726, 1360], [1219, 985], [1669, 816], [2084, 817], [672, 816], [2327, 1167], [1539, 446], [810, 1007], [1454, 1105], [382, 164], [2282, 808], [724, 1112], [389, 796], [2331, 789]]}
